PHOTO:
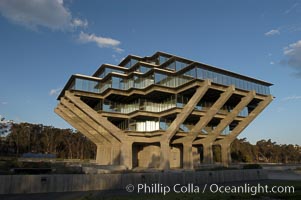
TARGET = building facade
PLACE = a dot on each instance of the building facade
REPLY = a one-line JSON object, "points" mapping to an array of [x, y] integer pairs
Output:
{"points": [[161, 111]]}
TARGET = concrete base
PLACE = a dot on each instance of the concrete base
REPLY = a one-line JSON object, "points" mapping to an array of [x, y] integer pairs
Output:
{"points": [[14, 184]]}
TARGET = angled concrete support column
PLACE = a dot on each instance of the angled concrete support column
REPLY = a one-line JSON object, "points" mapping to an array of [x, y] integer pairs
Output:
{"points": [[126, 154], [165, 155], [187, 155], [226, 153], [79, 125], [207, 153], [203, 121]]}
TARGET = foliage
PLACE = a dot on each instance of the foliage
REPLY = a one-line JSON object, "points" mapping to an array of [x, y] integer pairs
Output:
{"points": [[5, 126], [66, 143], [37, 138], [264, 151]]}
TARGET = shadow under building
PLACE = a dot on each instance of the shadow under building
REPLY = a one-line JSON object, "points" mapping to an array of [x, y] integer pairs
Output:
{"points": [[161, 111]]}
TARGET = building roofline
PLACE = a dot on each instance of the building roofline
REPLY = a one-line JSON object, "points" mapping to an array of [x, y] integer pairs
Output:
{"points": [[171, 56], [218, 69], [214, 68], [72, 78]]}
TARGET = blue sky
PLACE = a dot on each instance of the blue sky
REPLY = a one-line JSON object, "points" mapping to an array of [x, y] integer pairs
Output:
{"points": [[44, 42]]}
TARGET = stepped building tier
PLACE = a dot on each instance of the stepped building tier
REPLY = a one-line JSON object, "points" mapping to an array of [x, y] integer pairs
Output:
{"points": [[162, 111]]}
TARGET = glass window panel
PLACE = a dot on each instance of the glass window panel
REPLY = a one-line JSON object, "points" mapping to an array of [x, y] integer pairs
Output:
{"points": [[253, 86], [204, 73], [210, 75], [191, 72], [200, 73], [81, 84], [131, 63], [78, 83], [243, 85], [115, 82], [257, 87], [159, 78], [128, 83], [215, 77], [236, 82], [143, 69], [180, 65], [268, 90], [162, 59], [128, 64], [225, 80], [218, 78], [171, 66], [248, 85]]}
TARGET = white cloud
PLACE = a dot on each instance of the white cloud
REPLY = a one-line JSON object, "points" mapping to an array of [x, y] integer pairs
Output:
{"points": [[4, 102], [293, 56], [40, 13], [272, 32], [294, 97], [54, 15], [272, 63], [291, 8], [118, 50], [100, 41], [55, 91], [79, 23], [293, 49]]}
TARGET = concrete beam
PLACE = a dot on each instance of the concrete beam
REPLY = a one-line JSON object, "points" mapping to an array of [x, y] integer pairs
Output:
{"points": [[227, 120], [192, 135], [227, 141], [243, 124], [103, 122], [80, 114], [73, 121], [186, 111]]}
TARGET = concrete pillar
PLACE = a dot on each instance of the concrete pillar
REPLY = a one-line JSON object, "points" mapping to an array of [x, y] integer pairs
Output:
{"points": [[196, 157], [187, 155], [126, 154], [207, 153], [115, 154], [226, 154], [165, 155], [103, 154]]}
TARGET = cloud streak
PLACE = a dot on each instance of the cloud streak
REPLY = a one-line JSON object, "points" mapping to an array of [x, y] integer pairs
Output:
{"points": [[289, 98], [292, 55], [291, 8], [272, 32], [102, 42]]}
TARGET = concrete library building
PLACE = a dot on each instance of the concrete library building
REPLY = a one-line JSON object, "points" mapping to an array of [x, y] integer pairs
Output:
{"points": [[162, 111]]}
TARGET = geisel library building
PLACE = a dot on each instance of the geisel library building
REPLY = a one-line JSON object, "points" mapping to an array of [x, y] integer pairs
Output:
{"points": [[161, 111]]}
